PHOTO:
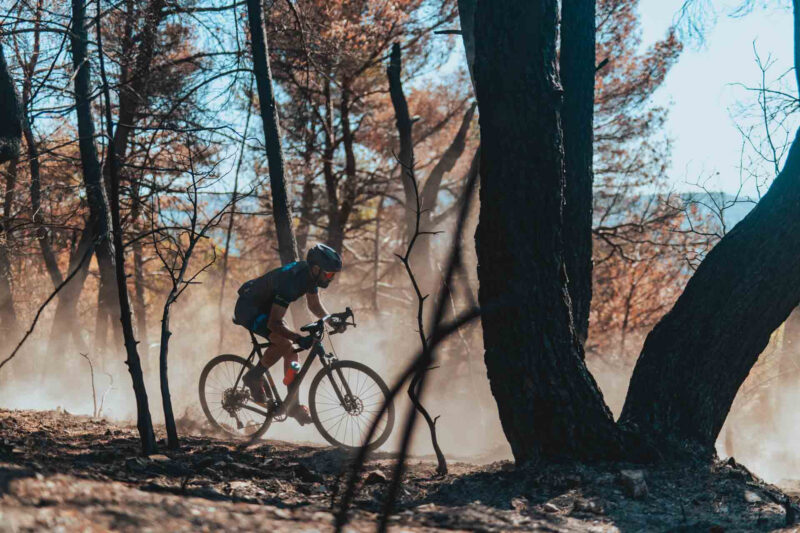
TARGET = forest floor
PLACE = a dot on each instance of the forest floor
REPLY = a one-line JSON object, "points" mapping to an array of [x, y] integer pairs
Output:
{"points": [[70, 473]]}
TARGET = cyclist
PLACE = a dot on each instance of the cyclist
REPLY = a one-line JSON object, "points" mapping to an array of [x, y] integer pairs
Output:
{"points": [[261, 308]]}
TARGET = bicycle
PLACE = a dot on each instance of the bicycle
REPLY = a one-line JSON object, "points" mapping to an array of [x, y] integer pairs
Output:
{"points": [[351, 387]]}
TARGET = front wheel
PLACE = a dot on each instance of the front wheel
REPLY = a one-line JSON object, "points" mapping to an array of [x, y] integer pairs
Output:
{"points": [[345, 421]]}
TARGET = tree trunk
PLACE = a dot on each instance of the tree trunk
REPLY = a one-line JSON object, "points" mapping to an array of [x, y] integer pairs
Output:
{"points": [[696, 358], [403, 122], [424, 259], [8, 315], [143, 420], [37, 215], [577, 67], [98, 225], [166, 399], [376, 253], [549, 403], [42, 232], [698, 355], [335, 231], [348, 199], [132, 95], [66, 322], [139, 306], [11, 125], [466, 14], [287, 246]]}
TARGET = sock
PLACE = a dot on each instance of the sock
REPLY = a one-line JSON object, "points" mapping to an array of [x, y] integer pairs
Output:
{"points": [[257, 371]]}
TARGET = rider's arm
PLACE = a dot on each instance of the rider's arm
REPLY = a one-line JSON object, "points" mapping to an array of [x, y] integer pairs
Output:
{"points": [[277, 324], [315, 305]]}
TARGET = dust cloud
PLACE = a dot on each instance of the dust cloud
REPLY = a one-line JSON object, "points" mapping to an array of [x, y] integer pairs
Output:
{"points": [[457, 391], [761, 432]]}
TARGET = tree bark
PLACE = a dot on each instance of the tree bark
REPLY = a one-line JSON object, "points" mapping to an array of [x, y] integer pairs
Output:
{"points": [[139, 306], [577, 67], [37, 216], [466, 14], [42, 232], [169, 416], [132, 95], [8, 314], [696, 358], [287, 246], [348, 198], [403, 122], [549, 404], [98, 224], [423, 258], [331, 184], [143, 420], [433, 185], [11, 125], [698, 355]]}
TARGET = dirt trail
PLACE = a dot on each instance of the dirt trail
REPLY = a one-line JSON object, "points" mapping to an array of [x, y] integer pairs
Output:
{"points": [[59, 471]]}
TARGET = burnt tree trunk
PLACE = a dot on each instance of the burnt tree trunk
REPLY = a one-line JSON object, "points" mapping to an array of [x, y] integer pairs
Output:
{"points": [[139, 306], [423, 259], [97, 229], [466, 14], [132, 96], [287, 246], [549, 403], [348, 198], [403, 122], [335, 232], [143, 420], [37, 214], [42, 232], [8, 314], [696, 358], [166, 398], [577, 67], [10, 114], [65, 320]]}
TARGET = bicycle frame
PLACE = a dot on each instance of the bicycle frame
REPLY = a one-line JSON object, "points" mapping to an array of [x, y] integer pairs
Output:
{"points": [[315, 352]]}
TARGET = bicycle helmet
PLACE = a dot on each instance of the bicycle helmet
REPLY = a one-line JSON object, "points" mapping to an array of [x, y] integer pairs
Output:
{"points": [[327, 259]]}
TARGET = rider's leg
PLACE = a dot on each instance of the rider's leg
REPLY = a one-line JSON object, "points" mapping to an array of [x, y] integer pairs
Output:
{"points": [[283, 347], [280, 347]]}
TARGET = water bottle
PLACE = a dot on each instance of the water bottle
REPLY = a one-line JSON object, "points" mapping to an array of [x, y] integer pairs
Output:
{"points": [[294, 368]]}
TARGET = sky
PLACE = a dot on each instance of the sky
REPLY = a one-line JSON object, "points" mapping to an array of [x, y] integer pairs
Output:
{"points": [[701, 88]]}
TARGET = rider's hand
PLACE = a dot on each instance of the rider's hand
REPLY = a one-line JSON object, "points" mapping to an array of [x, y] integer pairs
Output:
{"points": [[304, 342], [337, 324]]}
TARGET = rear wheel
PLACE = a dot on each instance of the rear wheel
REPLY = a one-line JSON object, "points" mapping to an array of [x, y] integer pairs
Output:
{"points": [[227, 403], [346, 423]]}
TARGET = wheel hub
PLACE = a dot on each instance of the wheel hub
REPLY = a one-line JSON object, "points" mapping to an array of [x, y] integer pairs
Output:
{"points": [[353, 405], [233, 399]]}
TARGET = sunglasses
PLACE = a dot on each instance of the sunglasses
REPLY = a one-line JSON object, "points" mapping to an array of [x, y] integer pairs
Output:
{"points": [[327, 275]]}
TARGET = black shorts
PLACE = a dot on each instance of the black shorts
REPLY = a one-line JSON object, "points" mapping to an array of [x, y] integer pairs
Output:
{"points": [[247, 315]]}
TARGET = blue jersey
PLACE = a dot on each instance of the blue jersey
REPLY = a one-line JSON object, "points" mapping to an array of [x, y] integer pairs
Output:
{"points": [[281, 286]]}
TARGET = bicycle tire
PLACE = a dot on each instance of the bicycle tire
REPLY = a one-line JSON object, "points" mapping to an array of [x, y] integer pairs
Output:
{"points": [[226, 358], [359, 367]]}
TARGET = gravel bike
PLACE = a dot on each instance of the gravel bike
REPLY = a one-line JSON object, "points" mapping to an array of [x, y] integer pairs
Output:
{"points": [[344, 397]]}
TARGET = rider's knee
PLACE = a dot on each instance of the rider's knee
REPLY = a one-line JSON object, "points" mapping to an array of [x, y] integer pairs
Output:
{"points": [[280, 341]]}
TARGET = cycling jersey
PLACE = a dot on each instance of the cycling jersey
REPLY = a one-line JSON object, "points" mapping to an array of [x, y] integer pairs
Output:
{"points": [[281, 286]]}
